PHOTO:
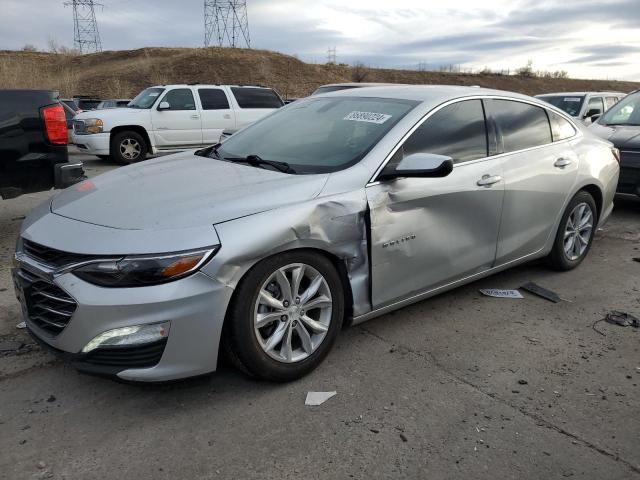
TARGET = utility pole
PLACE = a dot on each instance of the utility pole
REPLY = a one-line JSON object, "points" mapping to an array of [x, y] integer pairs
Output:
{"points": [[226, 23], [86, 38], [331, 56]]}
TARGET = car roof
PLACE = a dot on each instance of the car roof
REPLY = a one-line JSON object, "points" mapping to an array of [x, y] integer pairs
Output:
{"points": [[580, 93], [207, 85], [360, 84], [425, 93]]}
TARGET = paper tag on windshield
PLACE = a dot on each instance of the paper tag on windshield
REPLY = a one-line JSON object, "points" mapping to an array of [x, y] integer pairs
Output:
{"points": [[572, 99], [154, 94], [369, 117]]}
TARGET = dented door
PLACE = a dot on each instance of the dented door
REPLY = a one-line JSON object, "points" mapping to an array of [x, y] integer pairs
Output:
{"points": [[428, 232]]}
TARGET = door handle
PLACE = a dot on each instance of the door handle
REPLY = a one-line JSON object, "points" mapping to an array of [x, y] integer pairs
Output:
{"points": [[195, 117], [488, 180], [562, 162], [226, 116]]}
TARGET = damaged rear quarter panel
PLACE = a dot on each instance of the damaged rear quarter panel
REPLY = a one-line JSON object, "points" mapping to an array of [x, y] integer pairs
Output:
{"points": [[335, 224]]}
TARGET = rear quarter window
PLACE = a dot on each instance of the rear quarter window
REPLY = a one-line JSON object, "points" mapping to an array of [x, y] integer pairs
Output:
{"points": [[521, 125], [561, 128], [256, 97]]}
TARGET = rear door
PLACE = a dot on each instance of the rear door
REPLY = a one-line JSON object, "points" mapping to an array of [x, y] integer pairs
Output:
{"points": [[252, 103], [217, 114], [538, 174], [428, 232], [180, 125]]}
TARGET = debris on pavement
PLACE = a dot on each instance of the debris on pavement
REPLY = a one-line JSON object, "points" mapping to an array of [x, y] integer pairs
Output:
{"points": [[541, 292], [21, 325], [622, 319], [318, 398], [500, 293]]}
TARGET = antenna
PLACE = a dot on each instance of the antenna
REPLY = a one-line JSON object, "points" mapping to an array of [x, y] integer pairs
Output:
{"points": [[86, 38], [331, 56], [226, 23]]}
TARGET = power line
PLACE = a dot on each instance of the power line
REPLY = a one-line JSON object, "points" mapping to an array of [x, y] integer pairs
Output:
{"points": [[226, 23], [86, 38]]}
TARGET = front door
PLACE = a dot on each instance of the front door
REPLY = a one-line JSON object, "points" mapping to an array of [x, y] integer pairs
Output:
{"points": [[428, 232], [179, 126]]}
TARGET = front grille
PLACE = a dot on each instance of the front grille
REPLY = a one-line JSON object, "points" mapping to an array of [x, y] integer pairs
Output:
{"points": [[127, 356], [51, 256], [48, 306]]}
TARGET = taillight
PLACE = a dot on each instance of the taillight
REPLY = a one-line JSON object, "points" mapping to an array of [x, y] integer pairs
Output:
{"points": [[55, 124], [616, 154]]}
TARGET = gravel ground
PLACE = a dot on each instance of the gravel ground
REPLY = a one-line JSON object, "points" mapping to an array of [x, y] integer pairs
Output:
{"points": [[458, 386]]}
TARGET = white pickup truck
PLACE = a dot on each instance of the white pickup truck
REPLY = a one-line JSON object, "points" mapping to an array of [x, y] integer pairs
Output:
{"points": [[171, 117]]}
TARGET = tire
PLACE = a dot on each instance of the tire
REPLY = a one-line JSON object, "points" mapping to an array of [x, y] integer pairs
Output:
{"points": [[247, 344], [128, 147], [563, 256]]}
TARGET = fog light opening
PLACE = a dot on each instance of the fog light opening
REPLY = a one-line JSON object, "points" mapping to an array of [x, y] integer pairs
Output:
{"points": [[134, 335]]}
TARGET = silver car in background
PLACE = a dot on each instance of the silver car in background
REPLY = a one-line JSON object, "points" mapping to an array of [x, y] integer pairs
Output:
{"points": [[335, 209]]}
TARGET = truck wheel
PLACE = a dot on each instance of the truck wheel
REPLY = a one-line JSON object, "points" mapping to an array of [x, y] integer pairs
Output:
{"points": [[128, 147]]}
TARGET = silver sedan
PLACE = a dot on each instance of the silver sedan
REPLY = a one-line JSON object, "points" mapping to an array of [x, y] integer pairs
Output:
{"points": [[331, 211]]}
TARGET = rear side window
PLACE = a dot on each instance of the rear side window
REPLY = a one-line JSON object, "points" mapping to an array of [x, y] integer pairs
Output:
{"points": [[457, 130], [561, 128], [256, 97], [521, 125], [180, 99], [610, 102], [213, 99]]}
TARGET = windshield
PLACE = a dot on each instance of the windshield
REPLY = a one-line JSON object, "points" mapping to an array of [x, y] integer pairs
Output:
{"points": [[625, 112], [572, 104], [146, 98], [319, 135]]}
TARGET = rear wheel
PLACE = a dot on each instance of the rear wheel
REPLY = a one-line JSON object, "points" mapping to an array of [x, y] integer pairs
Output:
{"points": [[128, 147], [285, 316], [575, 233]]}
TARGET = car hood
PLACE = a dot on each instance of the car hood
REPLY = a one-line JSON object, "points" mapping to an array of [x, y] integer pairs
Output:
{"points": [[180, 191], [621, 136]]}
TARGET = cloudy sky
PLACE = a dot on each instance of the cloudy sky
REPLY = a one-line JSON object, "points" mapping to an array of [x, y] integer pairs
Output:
{"points": [[588, 38]]}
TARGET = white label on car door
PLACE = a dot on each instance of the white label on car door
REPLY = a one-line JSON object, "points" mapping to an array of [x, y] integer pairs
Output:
{"points": [[370, 117]]}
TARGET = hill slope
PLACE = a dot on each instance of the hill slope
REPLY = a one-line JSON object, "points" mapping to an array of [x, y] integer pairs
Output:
{"points": [[125, 73]]}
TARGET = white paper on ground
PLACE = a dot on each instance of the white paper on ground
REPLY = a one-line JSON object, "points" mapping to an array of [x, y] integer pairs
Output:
{"points": [[21, 325], [499, 293], [318, 398]]}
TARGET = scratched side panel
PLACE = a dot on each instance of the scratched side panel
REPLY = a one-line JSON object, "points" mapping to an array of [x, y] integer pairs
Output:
{"points": [[429, 232]]}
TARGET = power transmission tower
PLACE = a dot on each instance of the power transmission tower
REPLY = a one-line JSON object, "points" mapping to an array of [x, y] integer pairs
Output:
{"points": [[226, 23], [86, 38], [331, 56]]}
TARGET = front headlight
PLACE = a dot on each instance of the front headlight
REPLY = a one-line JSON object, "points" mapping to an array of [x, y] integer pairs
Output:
{"points": [[92, 125], [144, 270]]}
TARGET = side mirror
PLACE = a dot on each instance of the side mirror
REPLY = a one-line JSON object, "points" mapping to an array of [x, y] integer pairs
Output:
{"points": [[595, 117], [425, 165], [164, 106], [592, 112]]}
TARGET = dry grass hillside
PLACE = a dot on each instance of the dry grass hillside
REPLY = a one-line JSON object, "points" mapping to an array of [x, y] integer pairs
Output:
{"points": [[124, 73]]}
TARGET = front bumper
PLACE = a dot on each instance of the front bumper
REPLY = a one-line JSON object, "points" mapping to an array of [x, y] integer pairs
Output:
{"points": [[195, 306], [94, 144], [629, 181]]}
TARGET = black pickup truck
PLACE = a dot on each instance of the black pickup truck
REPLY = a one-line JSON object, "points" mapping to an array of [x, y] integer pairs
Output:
{"points": [[33, 143]]}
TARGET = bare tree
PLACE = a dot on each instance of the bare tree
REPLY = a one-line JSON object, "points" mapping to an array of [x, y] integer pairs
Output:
{"points": [[359, 72]]}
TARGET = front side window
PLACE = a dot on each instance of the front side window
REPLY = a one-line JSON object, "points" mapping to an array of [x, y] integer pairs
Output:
{"points": [[146, 98], [561, 128], [520, 125], [625, 112], [248, 97], [213, 99], [320, 134], [571, 104], [180, 99], [457, 131]]}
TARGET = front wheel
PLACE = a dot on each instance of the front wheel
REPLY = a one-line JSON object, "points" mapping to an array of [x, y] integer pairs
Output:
{"points": [[128, 147], [575, 233], [285, 316]]}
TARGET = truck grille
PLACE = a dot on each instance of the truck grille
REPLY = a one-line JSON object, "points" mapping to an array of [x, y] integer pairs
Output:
{"points": [[52, 257], [48, 306]]}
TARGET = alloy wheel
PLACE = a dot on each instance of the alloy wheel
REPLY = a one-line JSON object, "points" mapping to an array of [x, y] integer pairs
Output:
{"points": [[578, 231], [130, 148], [292, 313]]}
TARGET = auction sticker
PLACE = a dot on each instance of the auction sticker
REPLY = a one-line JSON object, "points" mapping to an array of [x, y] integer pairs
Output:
{"points": [[370, 117], [572, 99]]}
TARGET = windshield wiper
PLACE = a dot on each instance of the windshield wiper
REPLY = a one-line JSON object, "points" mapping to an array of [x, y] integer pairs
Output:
{"points": [[622, 124], [256, 161]]}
